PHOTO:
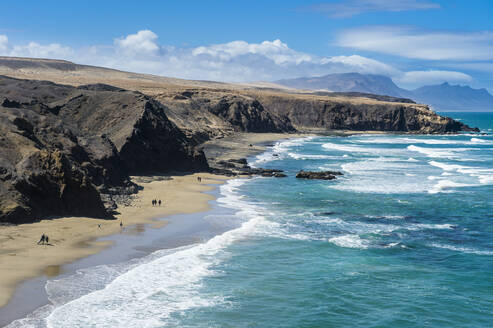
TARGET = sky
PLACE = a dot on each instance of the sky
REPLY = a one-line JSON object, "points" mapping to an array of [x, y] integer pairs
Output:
{"points": [[415, 42]]}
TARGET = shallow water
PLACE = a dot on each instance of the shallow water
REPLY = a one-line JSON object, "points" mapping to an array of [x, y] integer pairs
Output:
{"points": [[403, 239]]}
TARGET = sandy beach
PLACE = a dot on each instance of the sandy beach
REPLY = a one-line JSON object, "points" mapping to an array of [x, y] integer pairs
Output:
{"points": [[73, 238]]}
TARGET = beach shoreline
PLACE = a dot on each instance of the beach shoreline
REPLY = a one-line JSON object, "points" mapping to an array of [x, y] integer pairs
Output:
{"points": [[74, 239]]}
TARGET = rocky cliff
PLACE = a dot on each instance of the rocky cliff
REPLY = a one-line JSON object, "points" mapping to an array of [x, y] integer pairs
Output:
{"points": [[208, 113], [307, 112], [66, 150]]}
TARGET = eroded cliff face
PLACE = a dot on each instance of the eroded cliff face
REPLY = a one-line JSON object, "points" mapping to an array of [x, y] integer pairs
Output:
{"points": [[309, 112], [207, 113], [67, 151]]}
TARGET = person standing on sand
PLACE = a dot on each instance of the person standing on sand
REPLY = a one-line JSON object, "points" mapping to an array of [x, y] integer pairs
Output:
{"points": [[121, 224], [159, 202], [47, 240]]}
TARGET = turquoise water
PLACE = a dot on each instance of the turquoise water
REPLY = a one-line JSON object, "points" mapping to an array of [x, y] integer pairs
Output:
{"points": [[403, 239]]}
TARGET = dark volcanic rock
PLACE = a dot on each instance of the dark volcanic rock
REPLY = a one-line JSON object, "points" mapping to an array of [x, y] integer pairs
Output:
{"points": [[67, 151], [323, 175], [239, 161], [325, 113], [239, 167]]}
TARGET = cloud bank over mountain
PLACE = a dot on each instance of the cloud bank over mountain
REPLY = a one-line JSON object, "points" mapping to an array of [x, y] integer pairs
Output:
{"points": [[236, 61]]}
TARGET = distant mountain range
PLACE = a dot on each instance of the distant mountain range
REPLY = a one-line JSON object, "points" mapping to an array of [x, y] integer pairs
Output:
{"points": [[441, 97]]}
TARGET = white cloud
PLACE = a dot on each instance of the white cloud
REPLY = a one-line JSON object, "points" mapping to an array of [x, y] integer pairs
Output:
{"points": [[3, 42], [276, 50], [417, 78], [361, 64], [33, 49], [412, 43], [475, 66], [351, 8], [236, 61], [142, 42]]}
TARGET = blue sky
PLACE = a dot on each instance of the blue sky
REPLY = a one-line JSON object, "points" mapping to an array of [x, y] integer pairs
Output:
{"points": [[416, 42]]}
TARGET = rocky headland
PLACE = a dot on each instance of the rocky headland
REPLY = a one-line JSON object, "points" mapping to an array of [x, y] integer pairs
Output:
{"points": [[69, 149]]}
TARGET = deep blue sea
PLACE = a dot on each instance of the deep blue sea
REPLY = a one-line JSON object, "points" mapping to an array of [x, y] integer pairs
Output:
{"points": [[403, 239]]}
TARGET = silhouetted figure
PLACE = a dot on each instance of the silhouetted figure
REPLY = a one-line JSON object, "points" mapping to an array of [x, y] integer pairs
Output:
{"points": [[121, 223], [99, 226], [47, 240], [159, 202], [42, 239]]}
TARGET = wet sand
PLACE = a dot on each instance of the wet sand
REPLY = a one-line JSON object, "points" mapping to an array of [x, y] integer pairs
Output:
{"points": [[72, 238]]}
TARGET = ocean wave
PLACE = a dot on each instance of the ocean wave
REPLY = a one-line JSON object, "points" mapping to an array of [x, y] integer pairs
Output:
{"points": [[433, 152], [278, 150], [484, 176], [344, 148], [405, 140], [309, 156], [462, 249], [349, 241], [446, 186]]}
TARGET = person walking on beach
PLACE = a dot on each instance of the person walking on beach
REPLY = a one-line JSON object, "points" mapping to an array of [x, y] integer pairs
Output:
{"points": [[47, 240], [42, 240], [121, 224], [159, 202]]}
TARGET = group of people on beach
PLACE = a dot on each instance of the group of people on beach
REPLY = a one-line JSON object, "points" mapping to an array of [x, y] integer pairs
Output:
{"points": [[44, 240], [156, 202], [199, 179]]}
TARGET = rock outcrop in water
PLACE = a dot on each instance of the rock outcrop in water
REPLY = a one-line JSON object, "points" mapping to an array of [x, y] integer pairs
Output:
{"points": [[67, 150], [322, 175]]}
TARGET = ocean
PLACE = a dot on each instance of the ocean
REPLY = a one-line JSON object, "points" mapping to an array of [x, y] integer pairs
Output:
{"points": [[403, 239]]}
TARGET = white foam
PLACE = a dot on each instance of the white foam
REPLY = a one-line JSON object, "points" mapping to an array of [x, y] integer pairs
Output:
{"points": [[446, 186], [426, 141], [344, 148], [433, 152], [428, 226], [349, 241], [309, 156], [462, 249], [387, 175], [483, 175], [447, 167], [279, 150], [390, 217]]}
